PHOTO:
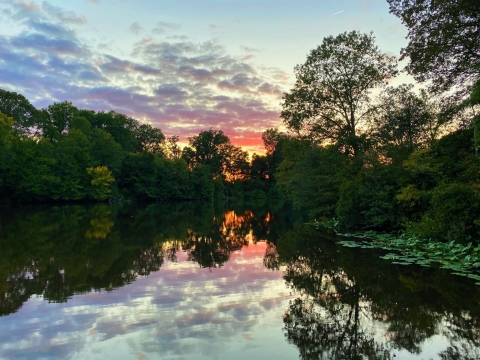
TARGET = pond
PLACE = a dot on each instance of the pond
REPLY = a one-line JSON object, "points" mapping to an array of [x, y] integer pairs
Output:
{"points": [[198, 281]]}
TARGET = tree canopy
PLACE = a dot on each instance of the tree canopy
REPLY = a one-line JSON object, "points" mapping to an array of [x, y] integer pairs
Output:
{"points": [[444, 40], [331, 97]]}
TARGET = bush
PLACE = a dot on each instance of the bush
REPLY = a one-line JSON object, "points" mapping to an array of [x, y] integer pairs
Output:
{"points": [[454, 214]]}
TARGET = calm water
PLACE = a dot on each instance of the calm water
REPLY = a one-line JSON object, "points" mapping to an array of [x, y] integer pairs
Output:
{"points": [[192, 281]]}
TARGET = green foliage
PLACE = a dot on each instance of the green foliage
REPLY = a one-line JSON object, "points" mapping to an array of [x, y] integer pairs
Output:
{"points": [[331, 99], [60, 117], [310, 176], [121, 127], [257, 194], [463, 259], [20, 109], [403, 123], [453, 214], [444, 40], [368, 199], [212, 148], [101, 182], [203, 186], [150, 139]]}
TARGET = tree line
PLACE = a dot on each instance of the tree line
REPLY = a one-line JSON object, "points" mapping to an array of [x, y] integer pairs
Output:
{"points": [[63, 153]]}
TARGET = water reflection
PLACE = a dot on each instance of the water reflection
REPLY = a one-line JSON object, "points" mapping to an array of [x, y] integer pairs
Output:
{"points": [[58, 252], [349, 305], [184, 280]]}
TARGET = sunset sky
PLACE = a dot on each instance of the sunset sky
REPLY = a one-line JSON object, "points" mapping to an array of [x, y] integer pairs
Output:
{"points": [[181, 65]]}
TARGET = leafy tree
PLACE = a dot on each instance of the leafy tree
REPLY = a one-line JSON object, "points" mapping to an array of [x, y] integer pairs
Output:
{"points": [[101, 181], [120, 126], [444, 40], [6, 138], [105, 151], [150, 139], [270, 138], [72, 155], [235, 165], [19, 108], [212, 148], [331, 98], [311, 175], [32, 175], [60, 115], [138, 176], [172, 150], [404, 123], [172, 179]]}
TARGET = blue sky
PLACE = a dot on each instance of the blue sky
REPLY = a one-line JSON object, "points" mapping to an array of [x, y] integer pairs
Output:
{"points": [[184, 65]]}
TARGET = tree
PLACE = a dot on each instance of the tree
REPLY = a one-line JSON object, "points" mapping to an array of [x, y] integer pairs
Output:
{"points": [[172, 150], [444, 40], [101, 181], [331, 97], [6, 137], [270, 138], [150, 139], [19, 108], [59, 119], [404, 123], [208, 148], [121, 127]]}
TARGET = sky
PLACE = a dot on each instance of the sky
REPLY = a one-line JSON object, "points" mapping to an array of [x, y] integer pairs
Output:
{"points": [[181, 65]]}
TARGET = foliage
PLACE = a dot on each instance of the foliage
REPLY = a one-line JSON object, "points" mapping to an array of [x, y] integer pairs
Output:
{"points": [[19, 108], [101, 182], [331, 99], [463, 259], [444, 40], [150, 139], [310, 176], [404, 123]]}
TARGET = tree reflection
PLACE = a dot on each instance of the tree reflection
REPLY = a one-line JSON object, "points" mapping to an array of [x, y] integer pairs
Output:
{"points": [[352, 305], [60, 251]]}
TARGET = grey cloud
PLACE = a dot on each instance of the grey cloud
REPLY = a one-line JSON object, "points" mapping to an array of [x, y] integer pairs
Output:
{"points": [[135, 28], [43, 43], [115, 65], [171, 92], [22, 10], [50, 29], [249, 49], [163, 27]]}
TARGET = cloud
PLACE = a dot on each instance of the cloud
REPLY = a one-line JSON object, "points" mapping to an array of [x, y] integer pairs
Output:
{"points": [[162, 27], [135, 28], [180, 85], [173, 312], [249, 49]]}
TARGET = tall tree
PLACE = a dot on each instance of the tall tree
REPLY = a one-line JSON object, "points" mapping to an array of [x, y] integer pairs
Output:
{"points": [[208, 148], [19, 108], [444, 40], [59, 119], [150, 139], [120, 126], [331, 97], [404, 122]]}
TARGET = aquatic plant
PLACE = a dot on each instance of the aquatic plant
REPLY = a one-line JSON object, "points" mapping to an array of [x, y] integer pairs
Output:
{"points": [[407, 249]]}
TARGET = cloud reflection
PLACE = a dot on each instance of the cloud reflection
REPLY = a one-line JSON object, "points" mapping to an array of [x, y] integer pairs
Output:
{"points": [[182, 310]]}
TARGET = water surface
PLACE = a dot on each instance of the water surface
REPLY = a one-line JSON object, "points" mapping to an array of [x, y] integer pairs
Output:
{"points": [[195, 281]]}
